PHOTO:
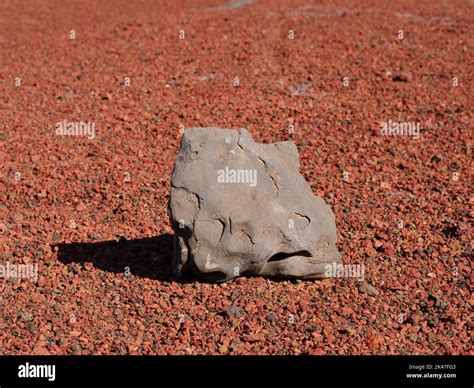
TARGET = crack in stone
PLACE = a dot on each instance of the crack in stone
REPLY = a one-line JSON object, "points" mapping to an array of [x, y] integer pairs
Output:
{"points": [[223, 230], [303, 216], [248, 235], [267, 169], [265, 164]]}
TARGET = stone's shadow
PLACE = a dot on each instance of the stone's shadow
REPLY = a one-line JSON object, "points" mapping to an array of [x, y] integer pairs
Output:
{"points": [[146, 257]]}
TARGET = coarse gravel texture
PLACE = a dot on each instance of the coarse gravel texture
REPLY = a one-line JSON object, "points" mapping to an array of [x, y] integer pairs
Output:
{"points": [[92, 213]]}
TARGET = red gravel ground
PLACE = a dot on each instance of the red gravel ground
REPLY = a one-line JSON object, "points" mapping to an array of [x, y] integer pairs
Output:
{"points": [[92, 213]]}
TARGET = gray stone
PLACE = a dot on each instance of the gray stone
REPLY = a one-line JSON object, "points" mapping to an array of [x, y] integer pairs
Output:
{"points": [[366, 288], [239, 208]]}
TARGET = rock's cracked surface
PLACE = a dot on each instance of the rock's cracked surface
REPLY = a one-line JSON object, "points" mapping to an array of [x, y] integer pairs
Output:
{"points": [[242, 208]]}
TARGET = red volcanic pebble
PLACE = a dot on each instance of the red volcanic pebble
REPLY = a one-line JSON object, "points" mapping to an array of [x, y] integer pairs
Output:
{"points": [[89, 211]]}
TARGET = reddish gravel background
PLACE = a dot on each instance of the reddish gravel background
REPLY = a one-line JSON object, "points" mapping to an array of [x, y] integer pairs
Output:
{"points": [[73, 211]]}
